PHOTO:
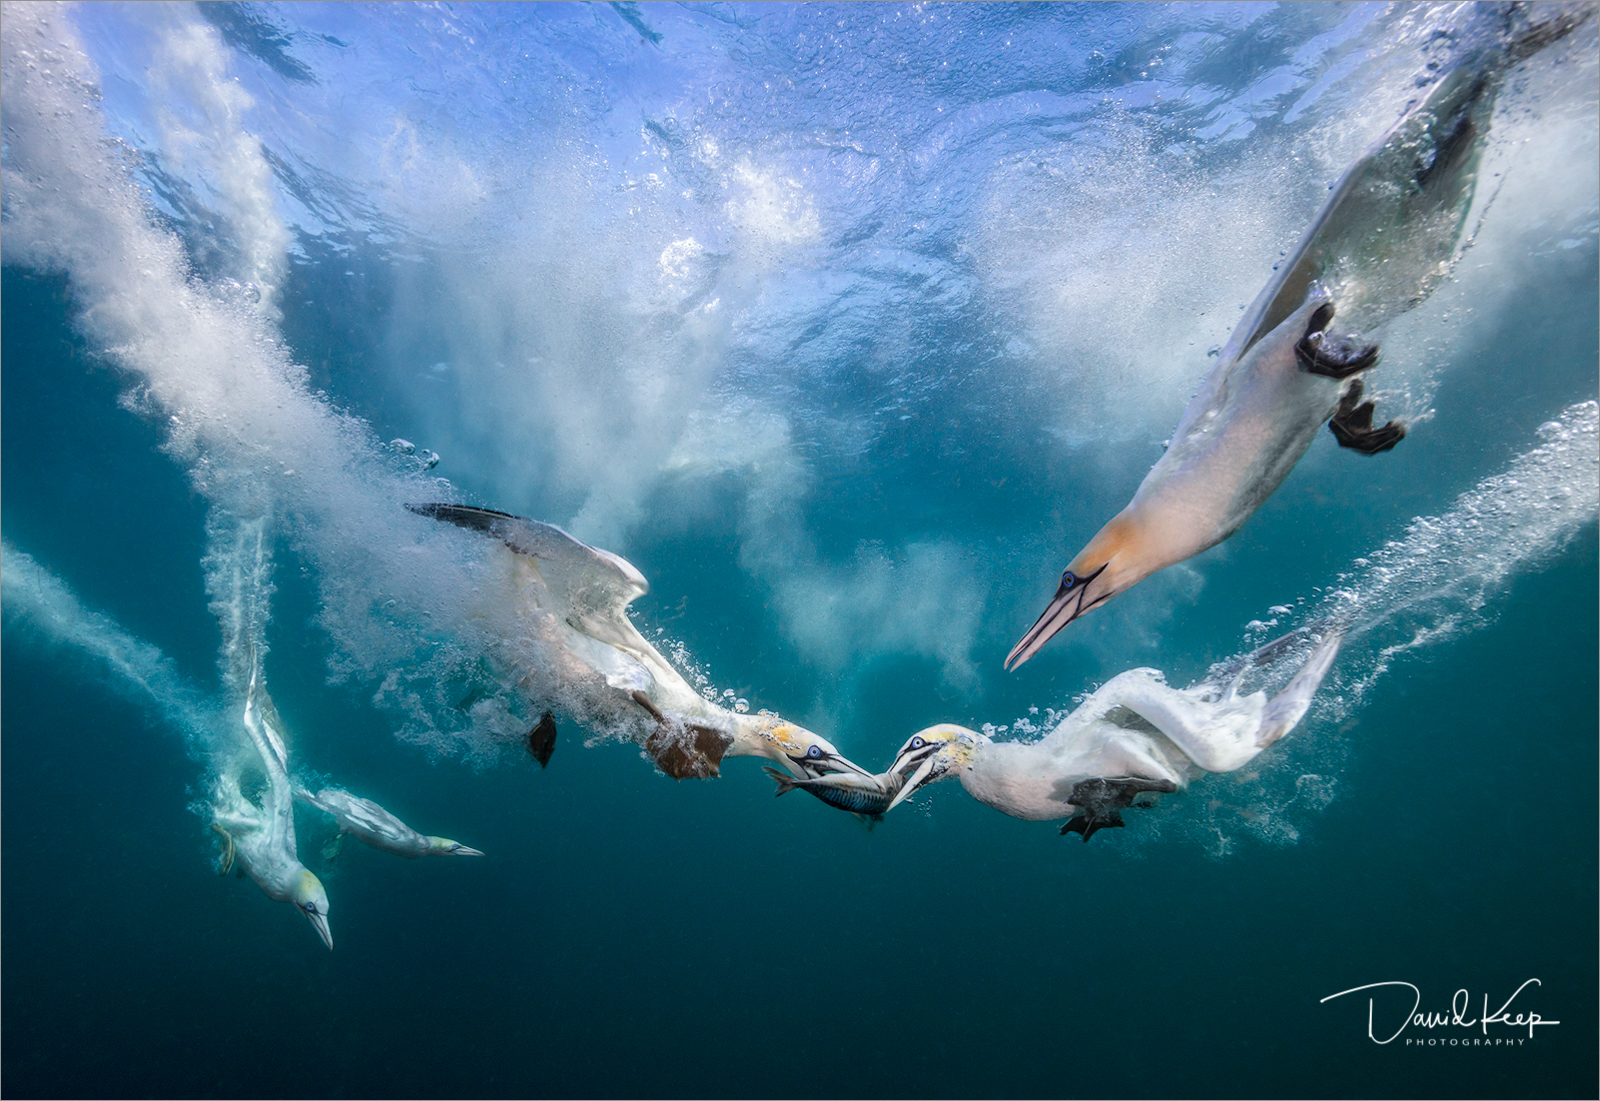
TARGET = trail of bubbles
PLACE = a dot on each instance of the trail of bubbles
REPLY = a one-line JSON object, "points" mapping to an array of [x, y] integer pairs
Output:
{"points": [[401, 597], [1434, 584], [210, 142], [238, 571], [42, 605], [1429, 587]]}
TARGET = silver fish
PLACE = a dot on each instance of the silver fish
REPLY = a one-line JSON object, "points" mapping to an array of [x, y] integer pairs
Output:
{"points": [[866, 796]]}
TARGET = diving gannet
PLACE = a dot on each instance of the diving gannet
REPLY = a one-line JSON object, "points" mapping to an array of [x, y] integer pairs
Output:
{"points": [[1384, 240], [367, 822], [261, 837], [581, 594], [1133, 735]]}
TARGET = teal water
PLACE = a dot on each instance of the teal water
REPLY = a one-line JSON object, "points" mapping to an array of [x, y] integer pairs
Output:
{"points": [[847, 326]]}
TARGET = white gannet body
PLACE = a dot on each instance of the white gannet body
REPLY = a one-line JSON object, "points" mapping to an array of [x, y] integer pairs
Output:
{"points": [[261, 837], [1386, 237], [367, 822], [1135, 734], [581, 594]]}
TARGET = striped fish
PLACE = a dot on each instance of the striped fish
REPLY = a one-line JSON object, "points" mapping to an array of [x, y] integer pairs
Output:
{"points": [[866, 796]]}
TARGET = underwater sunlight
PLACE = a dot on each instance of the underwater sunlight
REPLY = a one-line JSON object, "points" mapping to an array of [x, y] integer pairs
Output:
{"points": [[504, 417]]}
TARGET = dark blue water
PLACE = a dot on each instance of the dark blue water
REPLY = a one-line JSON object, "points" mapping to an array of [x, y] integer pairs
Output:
{"points": [[847, 326]]}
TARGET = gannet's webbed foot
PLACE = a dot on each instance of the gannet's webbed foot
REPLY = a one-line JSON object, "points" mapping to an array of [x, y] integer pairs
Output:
{"points": [[1336, 359], [542, 739], [695, 754], [1102, 799], [1091, 821], [334, 846], [1352, 425], [229, 850]]}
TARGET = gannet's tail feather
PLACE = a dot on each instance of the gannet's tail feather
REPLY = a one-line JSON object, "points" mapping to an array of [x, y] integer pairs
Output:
{"points": [[1288, 707]]}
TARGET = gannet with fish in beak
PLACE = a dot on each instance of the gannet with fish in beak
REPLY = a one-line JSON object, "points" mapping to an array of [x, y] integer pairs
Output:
{"points": [[1384, 240], [581, 594], [261, 838], [369, 823], [1132, 736]]}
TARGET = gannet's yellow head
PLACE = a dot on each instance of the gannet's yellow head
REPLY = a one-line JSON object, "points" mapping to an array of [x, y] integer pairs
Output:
{"points": [[312, 901], [933, 754], [1115, 559], [806, 754], [443, 846]]}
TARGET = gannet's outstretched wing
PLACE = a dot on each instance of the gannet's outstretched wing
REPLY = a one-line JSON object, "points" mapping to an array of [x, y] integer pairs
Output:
{"points": [[362, 814], [1287, 708], [594, 585], [265, 726], [1219, 734], [370, 823], [590, 589], [1389, 232]]}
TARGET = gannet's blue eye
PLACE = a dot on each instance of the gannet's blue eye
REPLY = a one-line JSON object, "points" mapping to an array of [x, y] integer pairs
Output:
{"points": [[814, 752], [1068, 579], [310, 907], [917, 743]]}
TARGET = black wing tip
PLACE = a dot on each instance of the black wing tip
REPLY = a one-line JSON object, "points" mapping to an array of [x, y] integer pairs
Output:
{"points": [[468, 516]]}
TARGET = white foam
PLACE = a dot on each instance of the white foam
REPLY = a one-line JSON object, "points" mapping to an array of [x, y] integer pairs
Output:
{"points": [[591, 343], [208, 141], [400, 600]]}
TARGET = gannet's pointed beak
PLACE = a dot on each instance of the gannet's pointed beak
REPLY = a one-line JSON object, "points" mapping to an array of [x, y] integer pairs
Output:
{"points": [[321, 923], [930, 755], [443, 846], [1075, 596], [312, 901], [913, 782]]}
